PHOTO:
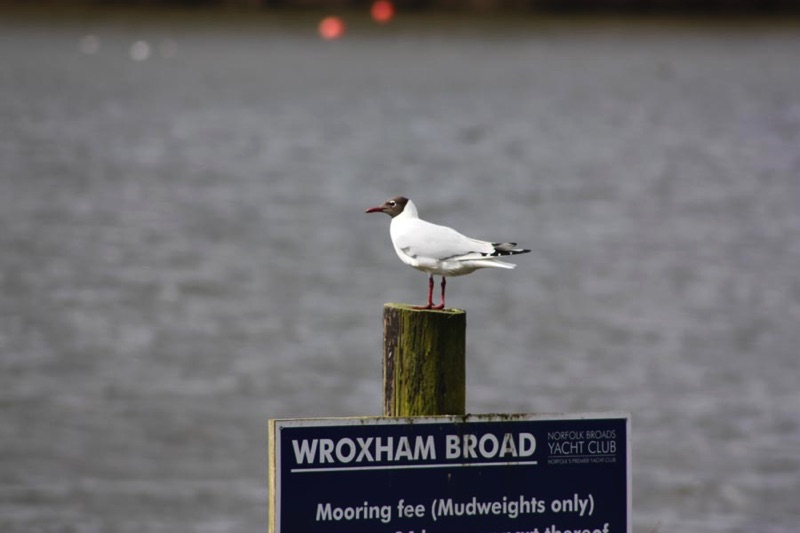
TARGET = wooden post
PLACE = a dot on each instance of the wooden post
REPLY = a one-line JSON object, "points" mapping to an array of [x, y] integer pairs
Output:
{"points": [[423, 361]]}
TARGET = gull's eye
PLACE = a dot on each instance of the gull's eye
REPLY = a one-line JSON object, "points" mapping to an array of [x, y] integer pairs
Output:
{"points": [[391, 203]]}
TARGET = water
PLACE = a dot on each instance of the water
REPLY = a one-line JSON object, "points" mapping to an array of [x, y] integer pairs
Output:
{"points": [[185, 254]]}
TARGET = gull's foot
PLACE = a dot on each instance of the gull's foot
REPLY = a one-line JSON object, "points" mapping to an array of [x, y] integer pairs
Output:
{"points": [[429, 306]]}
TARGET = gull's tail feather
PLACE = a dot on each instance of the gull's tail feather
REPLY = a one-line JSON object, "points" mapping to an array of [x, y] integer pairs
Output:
{"points": [[490, 263]]}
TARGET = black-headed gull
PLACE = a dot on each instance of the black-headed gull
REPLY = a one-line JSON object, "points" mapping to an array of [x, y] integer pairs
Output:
{"points": [[438, 249]]}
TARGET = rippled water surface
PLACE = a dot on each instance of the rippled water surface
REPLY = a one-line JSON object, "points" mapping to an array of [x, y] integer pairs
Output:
{"points": [[184, 253]]}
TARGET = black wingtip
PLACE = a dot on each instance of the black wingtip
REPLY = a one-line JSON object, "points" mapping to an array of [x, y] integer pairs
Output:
{"points": [[507, 248]]}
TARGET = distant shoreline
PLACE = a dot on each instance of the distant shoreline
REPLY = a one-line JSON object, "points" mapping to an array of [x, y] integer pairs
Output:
{"points": [[635, 7]]}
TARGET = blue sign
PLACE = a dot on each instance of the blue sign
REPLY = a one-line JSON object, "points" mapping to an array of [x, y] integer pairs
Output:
{"points": [[471, 474]]}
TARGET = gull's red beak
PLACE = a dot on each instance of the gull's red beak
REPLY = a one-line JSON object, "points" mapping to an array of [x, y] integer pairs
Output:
{"points": [[374, 210]]}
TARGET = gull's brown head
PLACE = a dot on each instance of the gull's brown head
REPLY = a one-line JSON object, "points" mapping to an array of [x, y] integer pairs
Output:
{"points": [[392, 206]]}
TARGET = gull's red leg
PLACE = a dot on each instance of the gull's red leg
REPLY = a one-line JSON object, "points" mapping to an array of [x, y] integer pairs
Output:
{"points": [[441, 304], [430, 296]]}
